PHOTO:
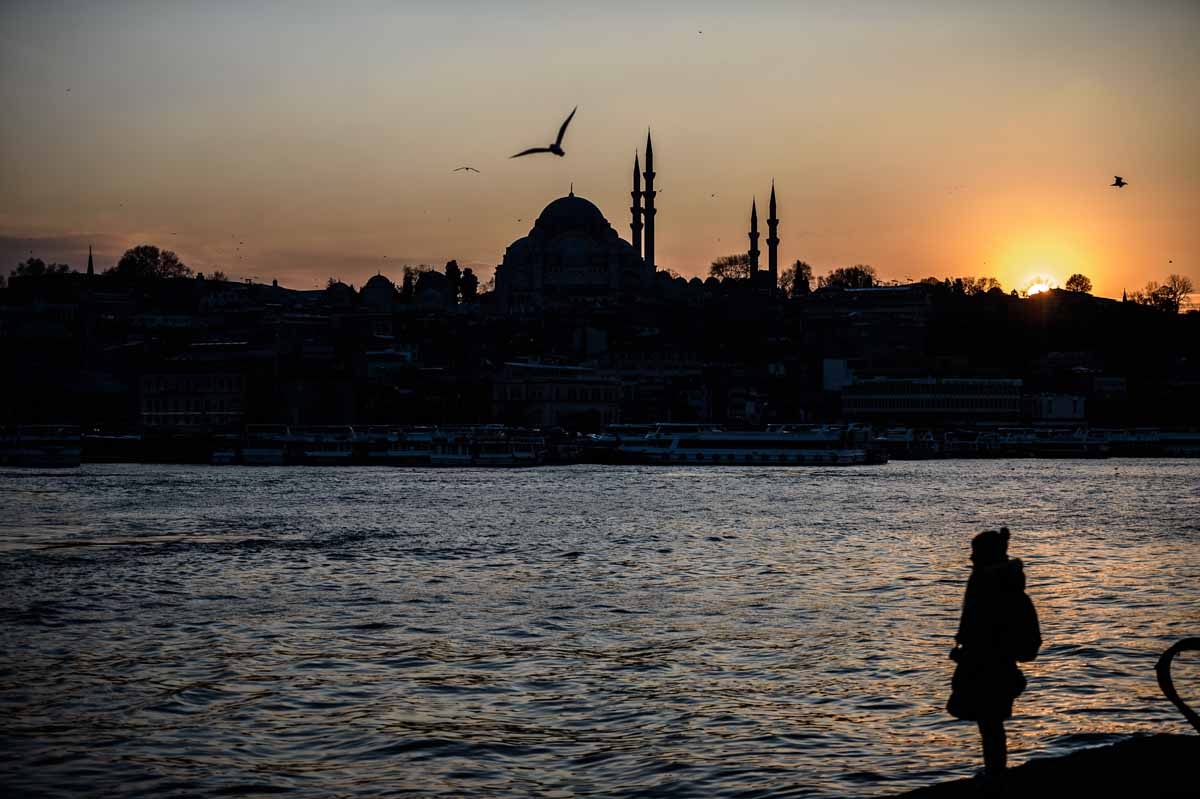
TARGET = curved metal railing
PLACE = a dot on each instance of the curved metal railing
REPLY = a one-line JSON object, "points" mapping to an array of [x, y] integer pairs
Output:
{"points": [[1163, 670]]}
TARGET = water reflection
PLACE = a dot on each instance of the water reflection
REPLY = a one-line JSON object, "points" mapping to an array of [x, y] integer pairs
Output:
{"points": [[615, 631]]}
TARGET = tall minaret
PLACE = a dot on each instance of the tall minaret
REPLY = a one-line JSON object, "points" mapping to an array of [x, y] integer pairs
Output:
{"points": [[648, 210], [636, 209], [753, 238], [91, 269], [773, 242]]}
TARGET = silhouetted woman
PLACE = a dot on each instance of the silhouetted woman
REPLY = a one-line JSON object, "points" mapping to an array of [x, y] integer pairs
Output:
{"points": [[999, 626]]}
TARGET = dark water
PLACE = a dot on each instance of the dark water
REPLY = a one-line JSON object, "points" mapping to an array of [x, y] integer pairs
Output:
{"points": [[565, 632]]}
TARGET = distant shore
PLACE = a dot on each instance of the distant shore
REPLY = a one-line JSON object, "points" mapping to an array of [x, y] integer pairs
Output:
{"points": [[1150, 766]]}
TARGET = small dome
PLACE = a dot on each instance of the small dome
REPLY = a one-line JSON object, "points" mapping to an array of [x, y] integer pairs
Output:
{"points": [[338, 293], [379, 292], [378, 281]]}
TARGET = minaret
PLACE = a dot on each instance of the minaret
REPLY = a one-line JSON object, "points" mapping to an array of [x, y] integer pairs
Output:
{"points": [[753, 238], [773, 241], [636, 209], [91, 269], [648, 210]]}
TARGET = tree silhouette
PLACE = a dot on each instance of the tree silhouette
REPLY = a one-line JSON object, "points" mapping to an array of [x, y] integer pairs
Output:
{"points": [[147, 262], [732, 266], [796, 280], [859, 276], [408, 284], [972, 286], [36, 267], [1178, 287], [1168, 297], [1080, 283], [469, 285]]}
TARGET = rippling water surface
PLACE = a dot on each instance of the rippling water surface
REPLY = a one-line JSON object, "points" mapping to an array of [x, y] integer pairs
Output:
{"points": [[565, 631]]}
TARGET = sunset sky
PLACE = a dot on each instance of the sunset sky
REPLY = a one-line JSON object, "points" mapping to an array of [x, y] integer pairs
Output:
{"points": [[299, 141]]}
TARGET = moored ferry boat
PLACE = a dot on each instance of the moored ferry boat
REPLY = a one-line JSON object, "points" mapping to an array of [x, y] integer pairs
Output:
{"points": [[321, 444], [902, 443], [778, 445], [400, 446], [1137, 442], [488, 446], [225, 450], [970, 444], [41, 446], [452, 447], [1080, 443], [265, 445], [106, 447], [509, 448], [1180, 443]]}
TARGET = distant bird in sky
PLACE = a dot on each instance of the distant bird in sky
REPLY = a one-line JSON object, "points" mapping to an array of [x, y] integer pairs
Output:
{"points": [[466, 169], [1118, 181], [555, 148]]}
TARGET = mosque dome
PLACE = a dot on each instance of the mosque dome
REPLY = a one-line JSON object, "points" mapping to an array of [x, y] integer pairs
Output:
{"points": [[572, 255], [378, 292], [378, 281], [571, 213]]}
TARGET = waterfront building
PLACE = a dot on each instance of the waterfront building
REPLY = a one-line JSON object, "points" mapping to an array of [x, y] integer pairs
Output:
{"points": [[1049, 408], [933, 401], [544, 395], [192, 400]]}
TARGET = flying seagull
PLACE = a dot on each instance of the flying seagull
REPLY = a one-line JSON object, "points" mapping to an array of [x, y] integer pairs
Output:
{"points": [[466, 168], [555, 148], [1118, 181]]}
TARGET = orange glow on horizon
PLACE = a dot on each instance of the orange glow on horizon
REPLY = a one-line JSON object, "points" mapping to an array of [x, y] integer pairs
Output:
{"points": [[310, 159], [1040, 285]]}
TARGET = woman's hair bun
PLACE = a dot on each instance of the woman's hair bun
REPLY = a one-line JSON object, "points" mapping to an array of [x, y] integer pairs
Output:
{"points": [[1004, 533]]}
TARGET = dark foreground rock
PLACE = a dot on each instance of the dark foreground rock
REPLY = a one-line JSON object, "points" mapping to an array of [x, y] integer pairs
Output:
{"points": [[1153, 766]]}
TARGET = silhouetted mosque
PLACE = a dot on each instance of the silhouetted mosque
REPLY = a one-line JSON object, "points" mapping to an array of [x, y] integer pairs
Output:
{"points": [[572, 255]]}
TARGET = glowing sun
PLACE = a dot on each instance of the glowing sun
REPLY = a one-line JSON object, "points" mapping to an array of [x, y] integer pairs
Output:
{"points": [[1039, 285]]}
